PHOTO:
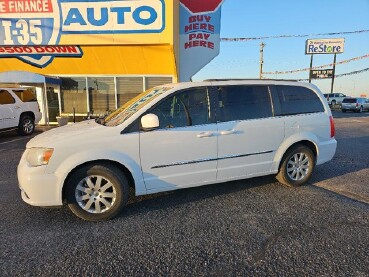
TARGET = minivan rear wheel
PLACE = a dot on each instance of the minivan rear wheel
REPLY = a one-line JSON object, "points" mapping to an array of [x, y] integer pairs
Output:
{"points": [[97, 192], [297, 166]]}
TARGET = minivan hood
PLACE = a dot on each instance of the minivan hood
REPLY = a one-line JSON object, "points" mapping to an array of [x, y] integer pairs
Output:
{"points": [[53, 136]]}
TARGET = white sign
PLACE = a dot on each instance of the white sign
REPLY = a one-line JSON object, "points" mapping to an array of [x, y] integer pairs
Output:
{"points": [[325, 46], [199, 39], [97, 17]]}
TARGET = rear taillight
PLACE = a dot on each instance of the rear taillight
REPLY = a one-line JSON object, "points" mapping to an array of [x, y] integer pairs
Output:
{"points": [[357, 104], [333, 130]]}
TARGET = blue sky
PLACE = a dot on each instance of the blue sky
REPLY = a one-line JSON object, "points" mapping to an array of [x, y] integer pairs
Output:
{"points": [[256, 18]]}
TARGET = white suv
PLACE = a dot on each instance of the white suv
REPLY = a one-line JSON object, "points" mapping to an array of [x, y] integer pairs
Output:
{"points": [[178, 136], [334, 99], [19, 109]]}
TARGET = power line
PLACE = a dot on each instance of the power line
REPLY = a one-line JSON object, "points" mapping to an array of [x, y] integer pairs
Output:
{"points": [[317, 67], [292, 36], [353, 72], [344, 74]]}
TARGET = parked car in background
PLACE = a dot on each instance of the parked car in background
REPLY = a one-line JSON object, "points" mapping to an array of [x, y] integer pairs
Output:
{"points": [[178, 136], [334, 99], [19, 109], [356, 104]]}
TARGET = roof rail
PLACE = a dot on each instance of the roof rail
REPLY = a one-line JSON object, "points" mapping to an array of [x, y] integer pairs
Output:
{"points": [[233, 79]]}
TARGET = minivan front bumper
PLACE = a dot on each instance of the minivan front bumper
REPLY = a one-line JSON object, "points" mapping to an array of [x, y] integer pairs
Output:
{"points": [[37, 187]]}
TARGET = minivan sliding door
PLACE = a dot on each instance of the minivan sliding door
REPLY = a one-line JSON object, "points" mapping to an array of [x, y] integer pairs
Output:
{"points": [[249, 134]]}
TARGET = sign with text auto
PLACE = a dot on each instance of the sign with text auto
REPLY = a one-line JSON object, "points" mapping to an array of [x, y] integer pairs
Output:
{"points": [[325, 46]]}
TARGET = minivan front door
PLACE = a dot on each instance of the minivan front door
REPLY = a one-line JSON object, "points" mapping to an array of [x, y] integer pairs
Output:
{"points": [[249, 135], [183, 151]]}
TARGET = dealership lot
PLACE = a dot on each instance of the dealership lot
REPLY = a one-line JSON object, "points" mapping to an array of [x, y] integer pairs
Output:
{"points": [[253, 227]]}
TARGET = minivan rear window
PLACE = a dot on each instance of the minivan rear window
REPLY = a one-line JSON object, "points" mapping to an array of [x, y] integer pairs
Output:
{"points": [[349, 100], [298, 100]]}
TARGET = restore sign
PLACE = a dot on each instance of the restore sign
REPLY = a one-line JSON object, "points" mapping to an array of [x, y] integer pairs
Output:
{"points": [[325, 46]]}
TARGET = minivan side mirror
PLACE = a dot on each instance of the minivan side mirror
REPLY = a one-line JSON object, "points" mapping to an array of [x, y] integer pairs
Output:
{"points": [[150, 122]]}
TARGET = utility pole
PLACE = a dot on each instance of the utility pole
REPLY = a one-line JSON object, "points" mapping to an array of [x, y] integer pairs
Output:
{"points": [[262, 45]]}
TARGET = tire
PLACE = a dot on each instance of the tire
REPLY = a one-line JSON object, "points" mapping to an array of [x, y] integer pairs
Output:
{"points": [[97, 192], [26, 125], [360, 110], [343, 110], [294, 173]]}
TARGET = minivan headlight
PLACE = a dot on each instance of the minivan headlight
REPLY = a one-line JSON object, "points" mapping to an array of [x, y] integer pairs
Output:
{"points": [[39, 156]]}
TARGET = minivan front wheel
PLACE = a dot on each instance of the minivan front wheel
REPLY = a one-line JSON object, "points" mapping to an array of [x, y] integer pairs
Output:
{"points": [[97, 192], [297, 166]]}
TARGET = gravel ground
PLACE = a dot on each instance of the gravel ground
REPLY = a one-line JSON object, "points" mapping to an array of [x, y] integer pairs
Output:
{"points": [[252, 227]]}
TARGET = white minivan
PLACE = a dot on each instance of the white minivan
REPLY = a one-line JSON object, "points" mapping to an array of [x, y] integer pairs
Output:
{"points": [[178, 136]]}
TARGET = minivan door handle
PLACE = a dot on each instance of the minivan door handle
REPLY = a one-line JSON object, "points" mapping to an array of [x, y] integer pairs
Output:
{"points": [[205, 135], [229, 132]]}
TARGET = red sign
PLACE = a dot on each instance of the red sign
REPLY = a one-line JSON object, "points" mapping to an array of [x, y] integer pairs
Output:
{"points": [[25, 6], [37, 50], [202, 6]]}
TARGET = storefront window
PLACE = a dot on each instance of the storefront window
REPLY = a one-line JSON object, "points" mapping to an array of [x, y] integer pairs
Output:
{"points": [[73, 96], [101, 93], [128, 88], [157, 81]]}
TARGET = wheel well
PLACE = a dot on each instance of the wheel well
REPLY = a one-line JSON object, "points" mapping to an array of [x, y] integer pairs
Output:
{"points": [[121, 167], [31, 114], [306, 143]]}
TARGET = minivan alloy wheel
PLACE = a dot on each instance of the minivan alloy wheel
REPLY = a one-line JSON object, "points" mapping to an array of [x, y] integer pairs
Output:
{"points": [[97, 191], [95, 194], [298, 166]]}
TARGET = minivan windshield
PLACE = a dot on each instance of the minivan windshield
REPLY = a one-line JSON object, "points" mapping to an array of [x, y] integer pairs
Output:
{"points": [[131, 107]]}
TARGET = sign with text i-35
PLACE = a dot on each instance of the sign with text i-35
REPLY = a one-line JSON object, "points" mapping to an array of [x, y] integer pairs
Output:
{"points": [[325, 46]]}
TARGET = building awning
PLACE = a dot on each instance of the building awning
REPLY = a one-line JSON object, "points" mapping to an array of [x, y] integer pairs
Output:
{"points": [[25, 77]]}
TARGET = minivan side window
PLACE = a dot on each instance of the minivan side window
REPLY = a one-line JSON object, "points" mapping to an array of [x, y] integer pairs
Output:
{"points": [[6, 98], [187, 108], [298, 100], [243, 102]]}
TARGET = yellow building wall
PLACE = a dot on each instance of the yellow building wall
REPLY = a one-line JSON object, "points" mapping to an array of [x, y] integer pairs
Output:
{"points": [[107, 54], [109, 60]]}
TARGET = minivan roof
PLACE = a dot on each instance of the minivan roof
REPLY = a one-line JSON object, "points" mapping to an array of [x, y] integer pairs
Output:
{"points": [[241, 79], [222, 82], [236, 82]]}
